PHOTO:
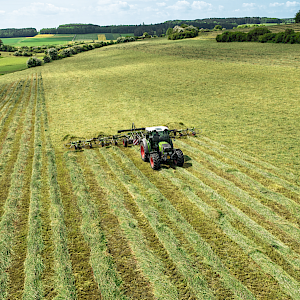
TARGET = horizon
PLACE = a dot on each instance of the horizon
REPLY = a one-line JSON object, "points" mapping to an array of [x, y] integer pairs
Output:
{"points": [[53, 13]]}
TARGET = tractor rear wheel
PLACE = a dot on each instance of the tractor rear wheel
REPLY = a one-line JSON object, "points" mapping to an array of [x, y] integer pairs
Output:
{"points": [[154, 161], [144, 155], [179, 161]]}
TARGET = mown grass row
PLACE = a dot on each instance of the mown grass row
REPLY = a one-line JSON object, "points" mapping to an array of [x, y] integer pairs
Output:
{"points": [[211, 167], [252, 162], [11, 141], [146, 259], [227, 217], [10, 213], [246, 270], [64, 278], [8, 109], [34, 266], [260, 181], [103, 266], [6, 96], [173, 223]]}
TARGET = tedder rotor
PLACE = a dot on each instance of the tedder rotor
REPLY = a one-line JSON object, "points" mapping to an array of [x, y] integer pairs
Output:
{"points": [[156, 144]]}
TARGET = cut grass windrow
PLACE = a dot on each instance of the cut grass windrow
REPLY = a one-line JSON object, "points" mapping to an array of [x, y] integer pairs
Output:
{"points": [[33, 288], [64, 279], [261, 181], [165, 233], [101, 262], [3, 95], [263, 286], [12, 143], [237, 188], [146, 259], [261, 165], [12, 128], [11, 105], [10, 215], [224, 219], [6, 96]]}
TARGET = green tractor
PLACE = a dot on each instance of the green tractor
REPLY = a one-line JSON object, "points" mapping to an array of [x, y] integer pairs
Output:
{"points": [[157, 147]]}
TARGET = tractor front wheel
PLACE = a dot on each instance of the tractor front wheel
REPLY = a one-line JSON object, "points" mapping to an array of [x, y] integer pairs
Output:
{"points": [[179, 161], [154, 161]]}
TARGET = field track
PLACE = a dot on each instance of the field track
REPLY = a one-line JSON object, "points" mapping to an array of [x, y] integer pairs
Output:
{"points": [[101, 224]]}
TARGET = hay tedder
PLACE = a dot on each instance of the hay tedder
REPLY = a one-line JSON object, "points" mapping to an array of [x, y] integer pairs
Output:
{"points": [[155, 143]]}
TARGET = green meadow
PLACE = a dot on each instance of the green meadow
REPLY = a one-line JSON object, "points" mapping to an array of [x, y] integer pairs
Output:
{"points": [[241, 94], [91, 224]]}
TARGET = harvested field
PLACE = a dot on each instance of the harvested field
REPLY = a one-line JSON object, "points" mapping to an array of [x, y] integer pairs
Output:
{"points": [[101, 224]]}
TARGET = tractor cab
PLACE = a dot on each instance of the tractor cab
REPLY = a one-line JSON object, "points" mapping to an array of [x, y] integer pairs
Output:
{"points": [[156, 135]]}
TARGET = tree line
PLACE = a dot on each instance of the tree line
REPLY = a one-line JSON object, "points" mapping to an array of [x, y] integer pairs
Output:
{"points": [[17, 32], [160, 28]]}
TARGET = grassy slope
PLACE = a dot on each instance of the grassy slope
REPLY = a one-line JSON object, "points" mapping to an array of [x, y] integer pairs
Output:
{"points": [[224, 226], [243, 95]]}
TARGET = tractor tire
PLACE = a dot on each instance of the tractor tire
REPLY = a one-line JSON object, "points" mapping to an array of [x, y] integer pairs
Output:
{"points": [[125, 142], [154, 161], [179, 161], [144, 155]]}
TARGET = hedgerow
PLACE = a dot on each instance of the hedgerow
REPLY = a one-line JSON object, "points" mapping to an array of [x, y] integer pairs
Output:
{"points": [[260, 34]]}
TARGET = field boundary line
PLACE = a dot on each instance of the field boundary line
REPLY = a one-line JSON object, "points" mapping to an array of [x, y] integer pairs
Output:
{"points": [[289, 284], [10, 214], [163, 288], [102, 264], [64, 278]]}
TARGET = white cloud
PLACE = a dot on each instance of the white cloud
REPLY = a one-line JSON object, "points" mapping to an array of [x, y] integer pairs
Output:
{"points": [[113, 6], [41, 8], [292, 4], [180, 5], [249, 5], [2, 12], [201, 5], [276, 4], [161, 4]]}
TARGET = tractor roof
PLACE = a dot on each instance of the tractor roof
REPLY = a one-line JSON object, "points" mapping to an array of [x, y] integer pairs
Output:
{"points": [[157, 128]]}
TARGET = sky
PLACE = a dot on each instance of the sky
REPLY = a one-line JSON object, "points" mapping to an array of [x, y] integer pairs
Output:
{"points": [[52, 13]]}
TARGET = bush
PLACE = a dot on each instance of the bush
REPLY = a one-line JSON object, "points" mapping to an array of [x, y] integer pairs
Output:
{"points": [[267, 38], [33, 62], [53, 53], [47, 59], [253, 34], [218, 27]]}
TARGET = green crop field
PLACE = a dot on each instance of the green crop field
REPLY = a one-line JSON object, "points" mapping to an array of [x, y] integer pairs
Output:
{"points": [[58, 39], [101, 224]]}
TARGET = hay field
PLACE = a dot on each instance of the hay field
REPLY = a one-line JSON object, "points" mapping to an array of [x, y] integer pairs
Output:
{"points": [[101, 224]]}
